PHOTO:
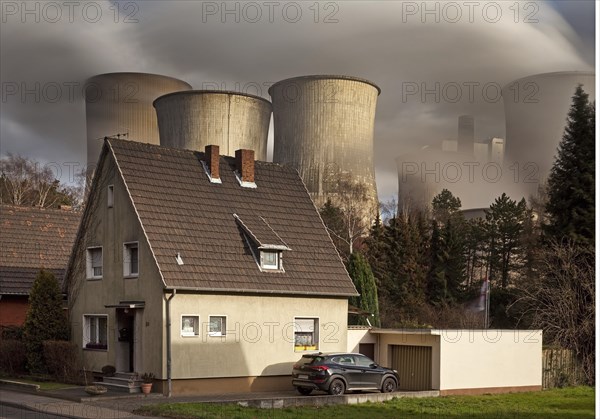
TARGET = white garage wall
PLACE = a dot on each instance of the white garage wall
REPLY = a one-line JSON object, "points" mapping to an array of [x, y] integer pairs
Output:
{"points": [[476, 359]]}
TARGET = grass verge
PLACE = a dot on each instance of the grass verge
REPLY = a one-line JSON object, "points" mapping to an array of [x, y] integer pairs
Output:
{"points": [[44, 385], [576, 402]]}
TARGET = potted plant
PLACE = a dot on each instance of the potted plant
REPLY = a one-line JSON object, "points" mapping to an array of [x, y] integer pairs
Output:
{"points": [[147, 380]]}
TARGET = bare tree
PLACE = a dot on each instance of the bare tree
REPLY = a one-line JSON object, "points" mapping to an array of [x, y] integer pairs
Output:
{"points": [[355, 209], [17, 182], [561, 301]]}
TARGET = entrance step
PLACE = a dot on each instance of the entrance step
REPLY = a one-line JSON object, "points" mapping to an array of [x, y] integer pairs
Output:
{"points": [[124, 382]]}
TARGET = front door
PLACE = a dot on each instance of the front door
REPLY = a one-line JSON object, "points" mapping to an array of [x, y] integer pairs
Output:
{"points": [[125, 359]]}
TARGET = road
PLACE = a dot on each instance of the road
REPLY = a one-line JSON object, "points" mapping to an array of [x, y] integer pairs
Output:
{"points": [[8, 412]]}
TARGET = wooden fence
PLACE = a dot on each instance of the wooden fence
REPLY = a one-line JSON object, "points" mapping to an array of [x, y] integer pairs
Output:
{"points": [[560, 368]]}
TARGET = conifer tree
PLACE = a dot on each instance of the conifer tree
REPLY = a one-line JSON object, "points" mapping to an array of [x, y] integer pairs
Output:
{"points": [[571, 182], [364, 281], [45, 319]]}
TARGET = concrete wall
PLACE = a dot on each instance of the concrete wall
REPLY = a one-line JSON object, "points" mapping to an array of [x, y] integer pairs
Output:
{"points": [[490, 359], [194, 119], [358, 336], [259, 338], [110, 228]]}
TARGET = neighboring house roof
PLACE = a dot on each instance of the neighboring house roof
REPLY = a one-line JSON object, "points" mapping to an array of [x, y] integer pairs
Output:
{"points": [[210, 224], [30, 239]]}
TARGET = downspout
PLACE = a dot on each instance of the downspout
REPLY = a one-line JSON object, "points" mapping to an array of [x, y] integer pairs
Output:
{"points": [[169, 367]]}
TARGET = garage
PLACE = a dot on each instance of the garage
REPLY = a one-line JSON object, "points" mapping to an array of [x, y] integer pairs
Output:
{"points": [[413, 364]]}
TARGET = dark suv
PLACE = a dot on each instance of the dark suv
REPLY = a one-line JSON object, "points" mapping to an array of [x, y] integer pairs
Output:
{"points": [[336, 373]]}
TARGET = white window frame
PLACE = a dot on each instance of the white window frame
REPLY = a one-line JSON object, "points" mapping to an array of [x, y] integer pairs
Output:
{"points": [[127, 246], [87, 330], [89, 262], [268, 267], [110, 196], [315, 334], [223, 326], [196, 332]]}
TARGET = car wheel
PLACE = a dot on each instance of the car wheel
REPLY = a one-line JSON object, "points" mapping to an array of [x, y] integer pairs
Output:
{"points": [[305, 391], [389, 385], [337, 387]]}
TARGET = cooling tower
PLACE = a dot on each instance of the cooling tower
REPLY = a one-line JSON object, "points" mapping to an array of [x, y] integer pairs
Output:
{"points": [[536, 109], [197, 118], [466, 133], [324, 128], [121, 103]]}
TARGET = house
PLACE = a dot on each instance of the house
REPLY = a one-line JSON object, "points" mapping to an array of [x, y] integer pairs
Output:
{"points": [[31, 238], [214, 273]]}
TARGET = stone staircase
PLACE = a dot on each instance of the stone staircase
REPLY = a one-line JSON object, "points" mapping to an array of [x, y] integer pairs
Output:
{"points": [[124, 382]]}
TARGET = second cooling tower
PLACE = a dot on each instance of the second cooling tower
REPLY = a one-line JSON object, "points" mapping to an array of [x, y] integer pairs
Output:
{"points": [[324, 127], [196, 118]]}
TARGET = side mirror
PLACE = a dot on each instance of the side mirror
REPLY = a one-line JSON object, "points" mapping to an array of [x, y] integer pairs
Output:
{"points": [[373, 365]]}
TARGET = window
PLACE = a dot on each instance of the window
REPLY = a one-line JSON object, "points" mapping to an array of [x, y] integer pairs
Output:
{"points": [[306, 334], [110, 198], [363, 361], [217, 325], [130, 259], [95, 332], [269, 259], [190, 325], [94, 263]]}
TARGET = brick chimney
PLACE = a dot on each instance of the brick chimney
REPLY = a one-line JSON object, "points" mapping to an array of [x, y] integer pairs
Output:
{"points": [[244, 162], [211, 157]]}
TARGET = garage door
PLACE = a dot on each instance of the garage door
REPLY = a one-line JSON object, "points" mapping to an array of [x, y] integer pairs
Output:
{"points": [[413, 364]]}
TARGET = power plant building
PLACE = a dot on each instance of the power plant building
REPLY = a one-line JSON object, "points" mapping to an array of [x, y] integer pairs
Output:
{"points": [[197, 118], [120, 105], [536, 109], [324, 128]]}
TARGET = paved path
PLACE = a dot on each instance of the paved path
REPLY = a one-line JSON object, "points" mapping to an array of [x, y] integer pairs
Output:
{"points": [[63, 408]]}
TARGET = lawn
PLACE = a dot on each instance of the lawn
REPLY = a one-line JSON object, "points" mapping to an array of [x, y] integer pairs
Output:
{"points": [[577, 402], [44, 385]]}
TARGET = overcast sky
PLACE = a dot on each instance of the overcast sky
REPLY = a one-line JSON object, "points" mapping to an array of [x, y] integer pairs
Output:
{"points": [[393, 43]]}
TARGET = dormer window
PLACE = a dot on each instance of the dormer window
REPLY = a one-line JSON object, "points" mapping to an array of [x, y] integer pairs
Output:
{"points": [[270, 259], [266, 245]]}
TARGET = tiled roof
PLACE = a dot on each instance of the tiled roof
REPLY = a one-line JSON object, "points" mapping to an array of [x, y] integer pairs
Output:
{"points": [[183, 212], [31, 239]]}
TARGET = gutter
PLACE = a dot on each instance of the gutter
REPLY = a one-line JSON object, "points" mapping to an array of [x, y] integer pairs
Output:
{"points": [[169, 361]]}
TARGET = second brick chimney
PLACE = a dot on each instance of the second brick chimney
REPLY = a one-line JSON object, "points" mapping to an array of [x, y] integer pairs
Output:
{"points": [[244, 162], [211, 156]]}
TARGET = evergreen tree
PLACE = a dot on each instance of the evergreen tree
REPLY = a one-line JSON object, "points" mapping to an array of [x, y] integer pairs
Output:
{"points": [[45, 319], [505, 222], [447, 265], [364, 281], [444, 205], [571, 185]]}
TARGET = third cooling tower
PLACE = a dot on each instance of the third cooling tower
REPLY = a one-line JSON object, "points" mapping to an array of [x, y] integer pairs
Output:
{"points": [[197, 118], [324, 128], [536, 109]]}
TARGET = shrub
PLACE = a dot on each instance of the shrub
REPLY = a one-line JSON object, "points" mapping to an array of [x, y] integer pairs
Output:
{"points": [[12, 332], [12, 356], [62, 360], [45, 319], [108, 370]]}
